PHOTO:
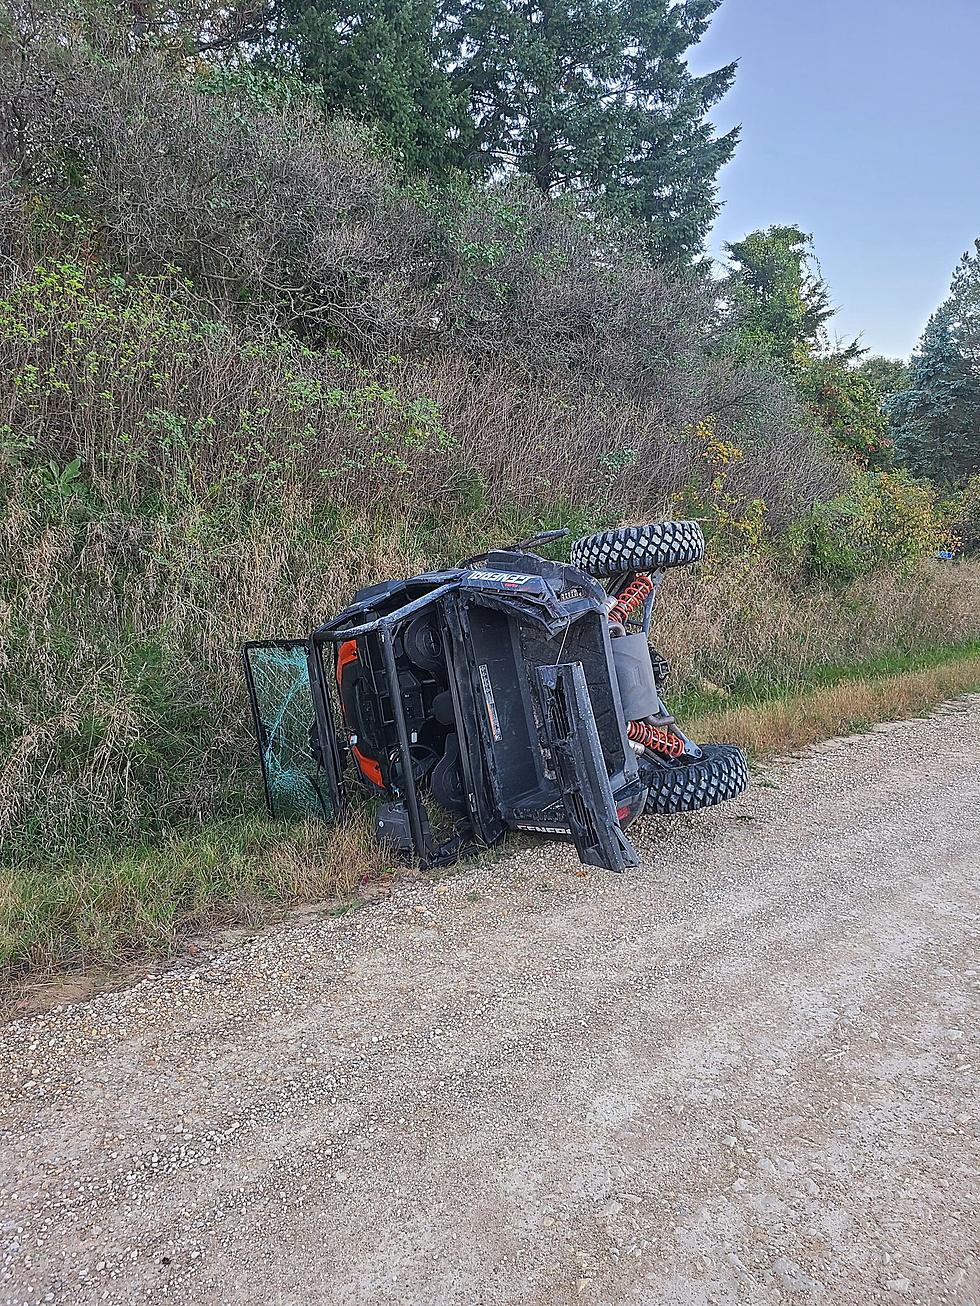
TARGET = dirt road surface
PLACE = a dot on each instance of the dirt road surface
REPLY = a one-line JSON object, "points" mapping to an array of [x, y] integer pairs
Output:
{"points": [[747, 1073]]}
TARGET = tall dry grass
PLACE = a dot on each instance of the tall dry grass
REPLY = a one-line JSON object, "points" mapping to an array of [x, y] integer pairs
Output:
{"points": [[122, 698], [756, 622], [173, 485], [101, 906], [782, 725]]}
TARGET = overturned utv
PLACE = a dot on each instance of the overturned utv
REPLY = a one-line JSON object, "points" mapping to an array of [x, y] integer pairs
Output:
{"points": [[509, 693]]}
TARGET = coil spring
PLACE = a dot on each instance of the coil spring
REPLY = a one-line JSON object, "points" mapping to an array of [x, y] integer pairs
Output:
{"points": [[632, 596], [660, 740]]}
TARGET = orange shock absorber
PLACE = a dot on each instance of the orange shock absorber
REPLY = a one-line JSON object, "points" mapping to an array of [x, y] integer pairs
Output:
{"points": [[632, 596], [661, 741]]}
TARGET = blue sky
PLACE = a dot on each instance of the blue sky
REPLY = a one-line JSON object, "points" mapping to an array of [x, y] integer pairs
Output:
{"points": [[861, 124]]}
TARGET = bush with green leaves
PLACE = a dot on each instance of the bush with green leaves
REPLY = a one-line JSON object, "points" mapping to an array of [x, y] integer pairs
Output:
{"points": [[882, 520], [126, 389]]}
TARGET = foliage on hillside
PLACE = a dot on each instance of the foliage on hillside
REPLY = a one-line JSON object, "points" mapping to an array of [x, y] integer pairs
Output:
{"points": [[596, 97]]}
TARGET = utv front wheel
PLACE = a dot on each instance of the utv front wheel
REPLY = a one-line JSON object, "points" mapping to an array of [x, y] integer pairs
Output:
{"points": [[639, 548], [720, 773]]}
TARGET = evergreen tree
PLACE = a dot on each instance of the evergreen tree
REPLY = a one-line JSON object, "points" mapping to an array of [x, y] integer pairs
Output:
{"points": [[377, 60], [937, 419], [965, 302], [596, 95]]}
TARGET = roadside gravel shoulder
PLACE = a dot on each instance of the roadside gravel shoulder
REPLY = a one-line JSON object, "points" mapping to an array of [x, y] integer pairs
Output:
{"points": [[747, 1072]]}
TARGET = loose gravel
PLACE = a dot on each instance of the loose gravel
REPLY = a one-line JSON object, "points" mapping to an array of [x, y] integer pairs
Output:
{"points": [[747, 1073]]}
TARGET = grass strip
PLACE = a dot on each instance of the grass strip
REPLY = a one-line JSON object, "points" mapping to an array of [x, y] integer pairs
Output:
{"points": [[105, 907], [840, 701]]}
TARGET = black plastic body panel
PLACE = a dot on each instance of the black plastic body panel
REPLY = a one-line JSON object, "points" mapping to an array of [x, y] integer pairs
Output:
{"points": [[575, 749]]}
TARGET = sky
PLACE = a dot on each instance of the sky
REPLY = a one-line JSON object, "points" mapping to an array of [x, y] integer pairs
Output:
{"points": [[861, 124]]}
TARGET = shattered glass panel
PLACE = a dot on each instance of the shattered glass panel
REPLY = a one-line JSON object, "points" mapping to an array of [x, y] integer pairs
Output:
{"points": [[296, 785]]}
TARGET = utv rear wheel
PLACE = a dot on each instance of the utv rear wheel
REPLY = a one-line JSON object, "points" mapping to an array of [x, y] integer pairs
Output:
{"points": [[719, 774], [639, 548]]}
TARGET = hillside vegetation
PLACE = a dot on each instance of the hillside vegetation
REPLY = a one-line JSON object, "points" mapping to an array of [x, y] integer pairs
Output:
{"points": [[251, 364]]}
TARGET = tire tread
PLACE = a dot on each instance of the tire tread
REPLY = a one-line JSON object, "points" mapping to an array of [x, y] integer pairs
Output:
{"points": [[639, 548], [720, 774]]}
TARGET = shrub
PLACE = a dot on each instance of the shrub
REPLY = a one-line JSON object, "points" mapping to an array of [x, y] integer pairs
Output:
{"points": [[964, 509], [274, 214], [883, 519], [848, 407], [163, 408]]}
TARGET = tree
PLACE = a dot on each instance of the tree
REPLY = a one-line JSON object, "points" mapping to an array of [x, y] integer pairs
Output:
{"points": [[778, 307], [200, 27], [853, 403], [887, 377], [596, 95], [778, 304], [965, 303], [937, 419], [376, 60], [848, 407]]}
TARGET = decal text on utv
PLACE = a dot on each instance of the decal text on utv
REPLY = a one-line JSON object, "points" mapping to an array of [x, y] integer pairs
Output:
{"points": [[509, 693]]}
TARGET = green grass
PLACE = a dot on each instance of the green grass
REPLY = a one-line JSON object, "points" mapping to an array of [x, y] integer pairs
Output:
{"points": [[785, 681], [837, 704], [104, 906]]}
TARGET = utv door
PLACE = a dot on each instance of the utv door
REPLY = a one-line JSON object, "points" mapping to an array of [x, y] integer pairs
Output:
{"points": [[572, 738], [298, 759]]}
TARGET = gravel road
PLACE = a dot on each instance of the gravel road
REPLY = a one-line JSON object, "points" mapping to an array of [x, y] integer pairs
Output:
{"points": [[747, 1073]]}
